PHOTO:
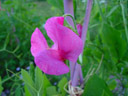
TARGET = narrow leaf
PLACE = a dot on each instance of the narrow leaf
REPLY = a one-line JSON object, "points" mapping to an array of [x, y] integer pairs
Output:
{"points": [[28, 82], [61, 85], [39, 81]]}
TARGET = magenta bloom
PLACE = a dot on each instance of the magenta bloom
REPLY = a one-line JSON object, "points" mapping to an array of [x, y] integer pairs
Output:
{"points": [[79, 29], [67, 45]]}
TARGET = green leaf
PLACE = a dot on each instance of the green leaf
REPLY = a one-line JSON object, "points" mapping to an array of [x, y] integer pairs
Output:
{"points": [[1, 88], [95, 87], [105, 93], [112, 10], [32, 71], [61, 85], [28, 82], [18, 91], [51, 91], [46, 84], [27, 79], [27, 93], [39, 81], [114, 41]]}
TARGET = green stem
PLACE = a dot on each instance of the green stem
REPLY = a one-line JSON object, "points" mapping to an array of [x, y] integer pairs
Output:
{"points": [[6, 41], [100, 63], [16, 74], [3, 81], [124, 19], [101, 13]]}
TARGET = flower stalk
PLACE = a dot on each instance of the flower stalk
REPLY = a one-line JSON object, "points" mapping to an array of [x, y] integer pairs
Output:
{"points": [[86, 20], [68, 9], [75, 68]]}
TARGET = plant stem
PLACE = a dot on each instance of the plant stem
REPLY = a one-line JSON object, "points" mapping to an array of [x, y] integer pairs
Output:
{"points": [[68, 9], [86, 20], [84, 31], [85, 24], [100, 63], [77, 75]]}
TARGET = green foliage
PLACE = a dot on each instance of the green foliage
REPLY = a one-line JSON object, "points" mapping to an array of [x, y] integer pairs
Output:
{"points": [[107, 35], [96, 87], [61, 86], [18, 22], [36, 87], [29, 82], [32, 71], [112, 84], [41, 86], [27, 93], [18, 91], [114, 41], [51, 91], [1, 88], [57, 4]]}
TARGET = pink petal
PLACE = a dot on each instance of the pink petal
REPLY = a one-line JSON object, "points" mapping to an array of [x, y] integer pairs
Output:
{"points": [[79, 29], [38, 42], [55, 46], [50, 27], [50, 62], [69, 44]]}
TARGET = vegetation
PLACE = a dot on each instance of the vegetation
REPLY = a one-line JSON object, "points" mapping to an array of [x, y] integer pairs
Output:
{"points": [[105, 54]]}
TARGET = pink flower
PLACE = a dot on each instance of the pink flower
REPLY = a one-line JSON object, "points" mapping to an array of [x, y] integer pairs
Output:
{"points": [[79, 29], [67, 45]]}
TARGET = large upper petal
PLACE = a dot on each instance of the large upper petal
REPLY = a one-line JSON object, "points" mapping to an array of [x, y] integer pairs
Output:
{"points": [[50, 62], [69, 44], [50, 27], [38, 42]]}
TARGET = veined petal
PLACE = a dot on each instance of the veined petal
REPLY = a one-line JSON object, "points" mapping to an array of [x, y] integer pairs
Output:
{"points": [[50, 27], [50, 62], [69, 44], [38, 42], [79, 29]]}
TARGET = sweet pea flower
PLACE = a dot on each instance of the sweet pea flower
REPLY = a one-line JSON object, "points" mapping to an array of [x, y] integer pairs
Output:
{"points": [[67, 45]]}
